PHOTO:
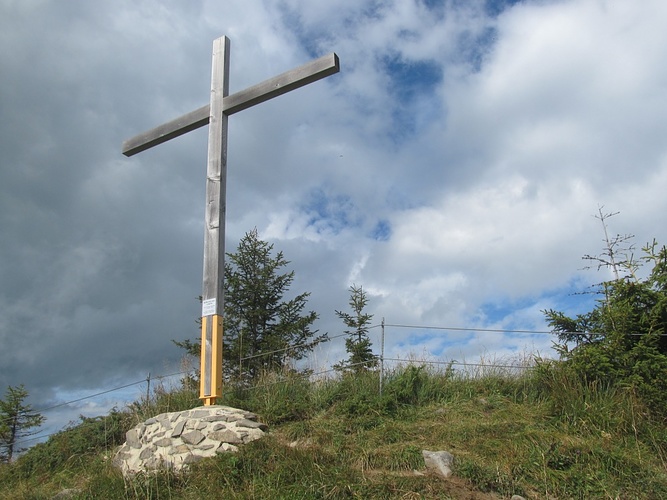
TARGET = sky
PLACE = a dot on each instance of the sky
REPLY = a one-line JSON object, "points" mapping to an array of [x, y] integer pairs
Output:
{"points": [[453, 169]]}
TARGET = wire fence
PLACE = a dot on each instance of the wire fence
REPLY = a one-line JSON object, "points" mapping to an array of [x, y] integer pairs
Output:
{"points": [[41, 411], [380, 358]]}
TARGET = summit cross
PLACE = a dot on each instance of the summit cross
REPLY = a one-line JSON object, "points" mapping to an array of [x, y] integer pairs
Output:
{"points": [[215, 115]]}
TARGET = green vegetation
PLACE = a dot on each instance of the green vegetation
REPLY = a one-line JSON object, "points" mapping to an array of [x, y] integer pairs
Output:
{"points": [[357, 343], [263, 330], [16, 421], [540, 434], [622, 342], [590, 425]]}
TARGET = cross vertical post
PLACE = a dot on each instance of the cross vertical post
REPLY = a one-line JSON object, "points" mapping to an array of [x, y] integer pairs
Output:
{"points": [[214, 228], [215, 115]]}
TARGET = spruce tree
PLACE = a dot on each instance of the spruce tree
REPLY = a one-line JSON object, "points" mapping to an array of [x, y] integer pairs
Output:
{"points": [[357, 344], [262, 330], [16, 420]]}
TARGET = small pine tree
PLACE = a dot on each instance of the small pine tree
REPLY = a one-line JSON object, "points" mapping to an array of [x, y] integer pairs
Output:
{"points": [[262, 329], [357, 344], [16, 418]]}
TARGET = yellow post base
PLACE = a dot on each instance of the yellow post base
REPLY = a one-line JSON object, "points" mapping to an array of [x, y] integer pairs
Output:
{"points": [[210, 386]]}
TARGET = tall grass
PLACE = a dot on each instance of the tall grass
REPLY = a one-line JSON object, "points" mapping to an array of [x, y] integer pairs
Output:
{"points": [[539, 432]]}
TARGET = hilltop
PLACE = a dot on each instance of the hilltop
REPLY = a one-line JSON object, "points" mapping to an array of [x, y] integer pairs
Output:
{"points": [[537, 433]]}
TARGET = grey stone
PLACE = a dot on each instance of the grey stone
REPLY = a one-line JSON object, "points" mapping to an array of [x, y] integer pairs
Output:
{"points": [[250, 424], [193, 437], [226, 447], [150, 421], [181, 448], [439, 462], [199, 414], [146, 453], [190, 459], [218, 427], [215, 418], [178, 429], [155, 463], [132, 438], [120, 458], [517, 497], [253, 436], [164, 442], [164, 419], [226, 436]]}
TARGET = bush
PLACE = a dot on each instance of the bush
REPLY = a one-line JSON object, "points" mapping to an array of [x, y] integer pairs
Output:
{"points": [[278, 397], [623, 340], [75, 445]]}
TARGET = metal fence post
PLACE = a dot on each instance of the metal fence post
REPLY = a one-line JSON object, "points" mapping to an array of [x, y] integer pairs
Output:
{"points": [[148, 388], [382, 357]]}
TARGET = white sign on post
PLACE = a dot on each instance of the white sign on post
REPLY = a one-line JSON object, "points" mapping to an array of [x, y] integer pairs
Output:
{"points": [[208, 307]]}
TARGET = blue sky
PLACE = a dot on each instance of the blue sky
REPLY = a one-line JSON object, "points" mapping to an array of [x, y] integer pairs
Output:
{"points": [[452, 168]]}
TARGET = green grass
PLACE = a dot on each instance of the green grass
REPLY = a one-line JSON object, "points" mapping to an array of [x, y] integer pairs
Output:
{"points": [[540, 435]]}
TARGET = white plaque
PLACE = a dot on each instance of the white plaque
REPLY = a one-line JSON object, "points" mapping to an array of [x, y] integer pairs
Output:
{"points": [[208, 307]]}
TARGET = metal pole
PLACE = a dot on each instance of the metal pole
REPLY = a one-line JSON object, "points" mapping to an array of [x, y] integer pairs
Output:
{"points": [[382, 357], [148, 388]]}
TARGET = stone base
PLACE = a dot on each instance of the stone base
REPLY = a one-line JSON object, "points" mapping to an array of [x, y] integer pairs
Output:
{"points": [[174, 440]]}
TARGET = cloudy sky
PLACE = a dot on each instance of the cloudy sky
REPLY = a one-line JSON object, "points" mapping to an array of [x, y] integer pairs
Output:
{"points": [[452, 168]]}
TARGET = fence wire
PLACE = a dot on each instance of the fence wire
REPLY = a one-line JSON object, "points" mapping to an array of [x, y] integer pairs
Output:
{"points": [[381, 358]]}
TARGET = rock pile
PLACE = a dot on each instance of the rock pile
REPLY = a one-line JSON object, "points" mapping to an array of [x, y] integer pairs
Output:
{"points": [[173, 440]]}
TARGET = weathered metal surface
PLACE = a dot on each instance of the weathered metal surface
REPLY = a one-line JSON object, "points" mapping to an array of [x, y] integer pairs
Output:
{"points": [[216, 115], [281, 84]]}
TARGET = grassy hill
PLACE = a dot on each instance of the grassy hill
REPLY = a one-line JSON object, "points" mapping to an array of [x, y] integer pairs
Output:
{"points": [[538, 434]]}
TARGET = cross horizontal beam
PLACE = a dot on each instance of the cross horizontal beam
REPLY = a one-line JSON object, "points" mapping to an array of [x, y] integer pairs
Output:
{"points": [[268, 89]]}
